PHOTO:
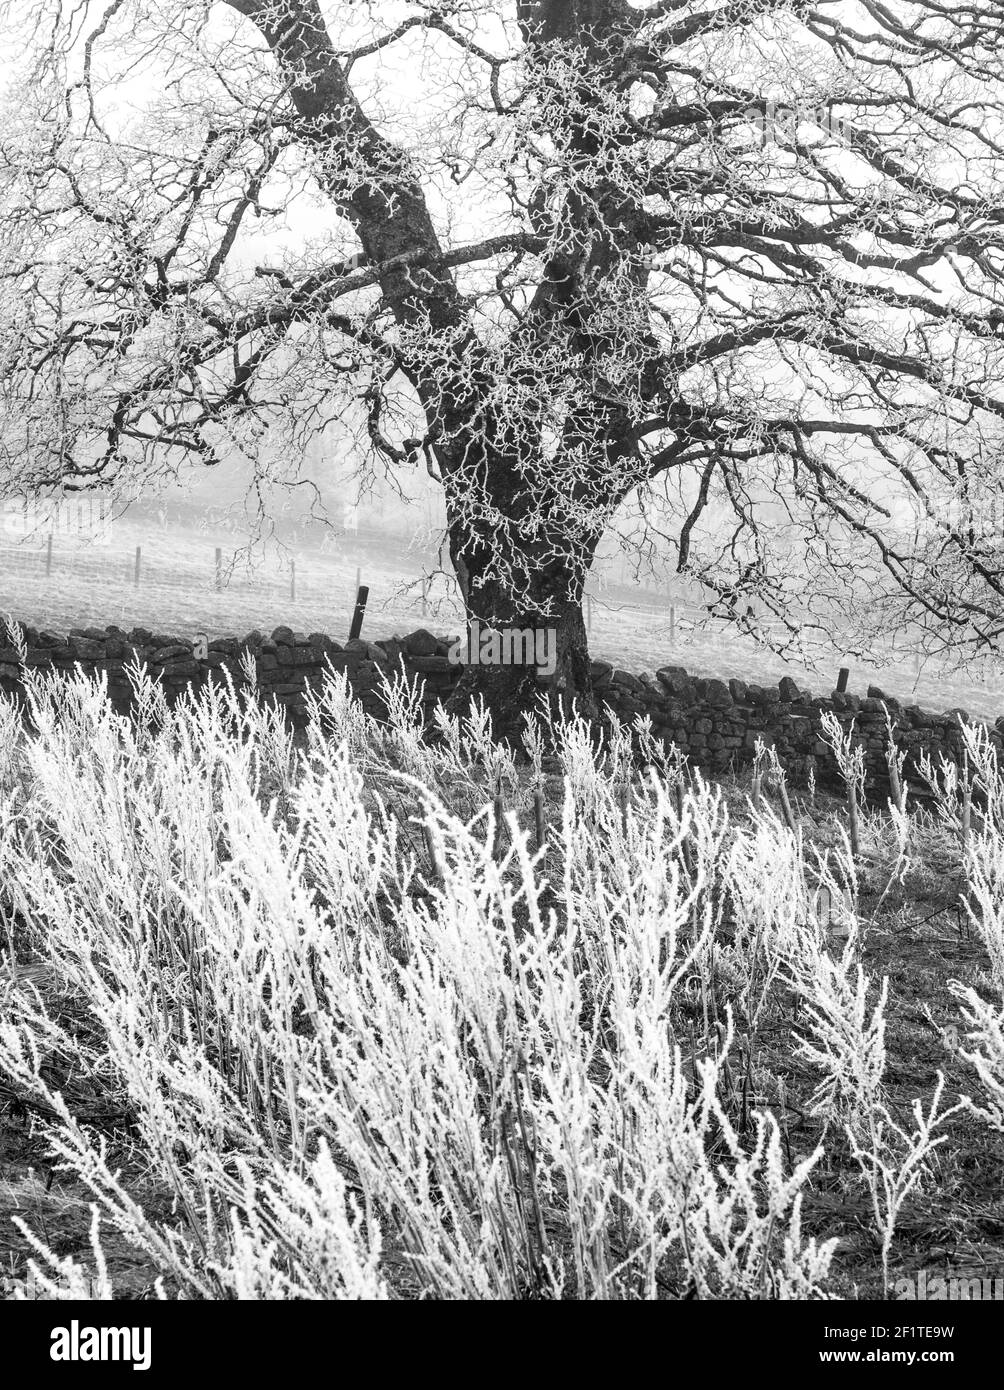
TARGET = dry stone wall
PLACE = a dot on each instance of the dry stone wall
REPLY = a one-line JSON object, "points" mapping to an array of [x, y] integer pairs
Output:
{"points": [[715, 722], [286, 663]]}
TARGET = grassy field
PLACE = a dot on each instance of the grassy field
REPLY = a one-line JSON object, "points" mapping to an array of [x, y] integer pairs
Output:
{"points": [[306, 1024], [629, 627]]}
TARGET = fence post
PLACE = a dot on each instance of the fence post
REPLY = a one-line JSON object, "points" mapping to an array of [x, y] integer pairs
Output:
{"points": [[499, 819], [139, 550], [842, 679], [362, 594], [219, 569], [430, 845], [538, 818]]}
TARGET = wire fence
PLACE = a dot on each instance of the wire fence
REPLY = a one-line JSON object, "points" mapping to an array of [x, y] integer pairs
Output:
{"points": [[160, 566], [304, 573], [330, 575]]}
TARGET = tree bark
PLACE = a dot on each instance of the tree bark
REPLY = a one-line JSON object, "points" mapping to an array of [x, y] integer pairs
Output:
{"points": [[550, 601]]}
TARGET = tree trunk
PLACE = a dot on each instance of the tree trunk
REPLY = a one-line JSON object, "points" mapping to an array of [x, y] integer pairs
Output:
{"points": [[550, 608]]}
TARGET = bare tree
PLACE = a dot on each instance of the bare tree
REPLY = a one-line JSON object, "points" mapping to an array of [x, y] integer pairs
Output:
{"points": [[744, 254]]}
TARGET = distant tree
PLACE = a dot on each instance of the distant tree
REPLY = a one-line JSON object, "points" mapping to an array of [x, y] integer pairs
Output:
{"points": [[744, 253]]}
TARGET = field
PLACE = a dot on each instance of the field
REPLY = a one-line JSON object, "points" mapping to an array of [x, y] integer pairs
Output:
{"points": [[351, 1016], [630, 625]]}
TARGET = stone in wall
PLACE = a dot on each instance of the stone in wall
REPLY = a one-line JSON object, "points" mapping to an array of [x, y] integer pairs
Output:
{"points": [[716, 723]]}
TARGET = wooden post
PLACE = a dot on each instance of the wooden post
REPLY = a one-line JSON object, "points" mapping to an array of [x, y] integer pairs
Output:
{"points": [[538, 818], [136, 567], [219, 569], [842, 680], [967, 813], [789, 816], [499, 822], [48, 556], [362, 594], [430, 846], [823, 904]]}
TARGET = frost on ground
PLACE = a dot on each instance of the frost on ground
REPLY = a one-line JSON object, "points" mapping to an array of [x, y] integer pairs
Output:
{"points": [[355, 1015]]}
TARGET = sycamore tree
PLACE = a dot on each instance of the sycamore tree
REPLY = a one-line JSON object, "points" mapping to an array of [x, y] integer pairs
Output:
{"points": [[734, 263]]}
